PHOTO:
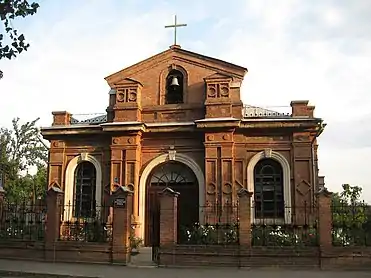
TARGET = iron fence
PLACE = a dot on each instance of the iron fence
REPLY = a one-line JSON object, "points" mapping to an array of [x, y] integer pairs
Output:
{"points": [[289, 226], [217, 225], [351, 224], [93, 225], [22, 221]]}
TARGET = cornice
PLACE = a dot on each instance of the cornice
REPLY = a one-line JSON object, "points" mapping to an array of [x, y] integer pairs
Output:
{"points": [[297, 124]]}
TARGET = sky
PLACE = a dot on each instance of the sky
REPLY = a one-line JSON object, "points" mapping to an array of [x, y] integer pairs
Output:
{"points": [[318, 50]]}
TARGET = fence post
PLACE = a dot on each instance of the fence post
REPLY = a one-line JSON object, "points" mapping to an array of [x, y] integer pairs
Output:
{"points": [[2, 201], [122, 210], [54, 200], [324, 218], [168, 217], [2, 194], [244, 214]]}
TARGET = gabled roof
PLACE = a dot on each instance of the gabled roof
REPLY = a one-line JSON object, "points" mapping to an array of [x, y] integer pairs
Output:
{"points": [[173, 51]]}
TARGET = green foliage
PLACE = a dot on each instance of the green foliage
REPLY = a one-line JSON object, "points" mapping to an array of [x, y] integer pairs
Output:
{"points": [[135, 242], [198, 234], [86, 231], [20, 149], [9, 11], [351, 217], [285, 235]]}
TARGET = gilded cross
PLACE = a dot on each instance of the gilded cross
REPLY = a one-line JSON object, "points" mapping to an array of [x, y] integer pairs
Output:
{"points": [[175, 25]]}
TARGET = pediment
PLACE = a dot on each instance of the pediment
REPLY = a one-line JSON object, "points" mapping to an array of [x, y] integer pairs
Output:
{"points": [[224, 69], [218, 76], [127, 82]]}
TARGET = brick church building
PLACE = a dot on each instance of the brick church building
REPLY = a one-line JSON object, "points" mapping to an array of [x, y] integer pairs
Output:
{"points": [[177, 120]]}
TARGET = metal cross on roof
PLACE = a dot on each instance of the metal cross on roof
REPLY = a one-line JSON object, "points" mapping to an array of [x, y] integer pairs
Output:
{"points": [[175, 25]]}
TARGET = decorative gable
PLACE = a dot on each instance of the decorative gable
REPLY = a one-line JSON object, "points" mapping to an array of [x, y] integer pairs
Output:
{"points": [[175, 53]]}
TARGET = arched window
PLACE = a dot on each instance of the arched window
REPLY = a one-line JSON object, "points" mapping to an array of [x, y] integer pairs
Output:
{"points": [[84, 203], [174, 87], [268, 189]]}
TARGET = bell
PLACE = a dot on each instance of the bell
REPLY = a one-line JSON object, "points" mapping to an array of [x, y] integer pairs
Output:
{"points": [[174, 82]]}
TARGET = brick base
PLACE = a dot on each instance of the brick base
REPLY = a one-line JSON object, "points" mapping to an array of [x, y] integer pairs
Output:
{"points": [[283, 257], [63, 252], [347, 258]]}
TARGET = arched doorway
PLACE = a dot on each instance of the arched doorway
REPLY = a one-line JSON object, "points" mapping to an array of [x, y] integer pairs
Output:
{"points": [[180, 178]]}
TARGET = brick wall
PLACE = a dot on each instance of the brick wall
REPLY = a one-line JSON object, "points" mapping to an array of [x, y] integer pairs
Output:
{"points": [[322, 255], [265, 257]]}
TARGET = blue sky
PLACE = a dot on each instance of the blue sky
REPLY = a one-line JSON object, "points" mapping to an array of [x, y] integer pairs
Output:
{"points": [[294, 49]]}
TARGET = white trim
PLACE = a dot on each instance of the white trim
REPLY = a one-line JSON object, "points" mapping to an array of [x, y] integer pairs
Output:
{"points": [[69, 182], [286, 179], [182, 158]]}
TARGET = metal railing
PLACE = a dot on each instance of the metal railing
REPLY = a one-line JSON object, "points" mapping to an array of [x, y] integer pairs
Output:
{"points": [[22, 221], [272, 228], [250, 111], [93, 118], [220, 227], [93, 225]]}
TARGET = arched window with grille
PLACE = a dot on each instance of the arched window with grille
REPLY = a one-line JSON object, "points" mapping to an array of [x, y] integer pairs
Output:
{"points": [[268, 189], [85, 188]]}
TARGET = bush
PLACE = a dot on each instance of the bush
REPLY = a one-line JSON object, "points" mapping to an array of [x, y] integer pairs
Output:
{"points": [[210, 234]]}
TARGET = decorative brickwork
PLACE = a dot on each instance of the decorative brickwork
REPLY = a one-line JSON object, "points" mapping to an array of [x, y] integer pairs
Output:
{"points": [[207, 130]]}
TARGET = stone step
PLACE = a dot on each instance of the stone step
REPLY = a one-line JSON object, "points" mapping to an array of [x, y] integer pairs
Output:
{"points": [[143, 258]]}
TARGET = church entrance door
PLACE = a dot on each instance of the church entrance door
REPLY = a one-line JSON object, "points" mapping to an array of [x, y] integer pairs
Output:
{"points": [[180, 178]]}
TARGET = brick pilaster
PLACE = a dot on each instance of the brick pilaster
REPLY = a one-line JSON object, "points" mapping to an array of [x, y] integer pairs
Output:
{"points": [[244, 214], [168, 217], [122, 209], [54, 200], [300, 108], [2, 195], [61, 118], [2, 200], [324, 218]]}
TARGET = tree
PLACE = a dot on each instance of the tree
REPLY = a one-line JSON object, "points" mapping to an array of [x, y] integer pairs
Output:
{"points": [[21, 149], [12, 42], [351, 217]]}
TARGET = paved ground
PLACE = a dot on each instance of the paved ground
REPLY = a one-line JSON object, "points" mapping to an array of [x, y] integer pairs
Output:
{"points": [[105, 271]]}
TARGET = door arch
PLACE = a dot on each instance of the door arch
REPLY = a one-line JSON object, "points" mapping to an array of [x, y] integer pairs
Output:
{"points": [[179, 157], [180, 178]]}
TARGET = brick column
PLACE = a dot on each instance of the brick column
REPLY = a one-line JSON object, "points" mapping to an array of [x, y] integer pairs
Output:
{"points": [[168, 217], [300, 108], [2, 201], [54, 201], [122, 210], [244, 214], [61, 118], [324, 218], [2, 194]]}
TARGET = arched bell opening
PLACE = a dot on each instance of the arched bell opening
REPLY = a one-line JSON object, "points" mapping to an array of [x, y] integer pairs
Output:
{"points": [[174, 87]]}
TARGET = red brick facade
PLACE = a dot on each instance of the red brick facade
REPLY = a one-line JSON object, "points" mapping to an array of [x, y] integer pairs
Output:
{"points": [[211, 129], [221, 142]]}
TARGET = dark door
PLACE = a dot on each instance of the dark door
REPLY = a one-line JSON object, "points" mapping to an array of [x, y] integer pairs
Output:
{"points": [[152, 232], [188, 208]]}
